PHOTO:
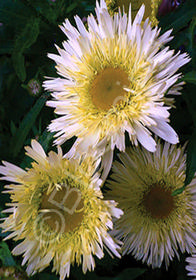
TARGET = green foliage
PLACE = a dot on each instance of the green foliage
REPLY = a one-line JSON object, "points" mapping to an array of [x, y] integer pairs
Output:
{"points": [[191, 159], [180, 18], [191, 163], [20, 134], [190, 77], [5, 255], [27, 37]]}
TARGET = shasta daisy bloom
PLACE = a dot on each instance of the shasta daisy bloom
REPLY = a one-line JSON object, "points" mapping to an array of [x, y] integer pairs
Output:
{"points": [[155, 223], [151, 7], [115, 78], [58, 211]]}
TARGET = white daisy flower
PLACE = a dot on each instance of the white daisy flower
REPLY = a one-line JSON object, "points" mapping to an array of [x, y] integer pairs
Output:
{"points": [[58, 212], [115, 77], [156, 224]]}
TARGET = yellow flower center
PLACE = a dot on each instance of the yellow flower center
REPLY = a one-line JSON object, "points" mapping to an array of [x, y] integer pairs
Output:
{"points": [[135, 6], [125, 4], [151, 7], [63, 209], [107, 88], [159, 202]]}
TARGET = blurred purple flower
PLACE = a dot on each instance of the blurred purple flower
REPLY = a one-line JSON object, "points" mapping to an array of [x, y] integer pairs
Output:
{"points": [[167, 6], [84, 20]]}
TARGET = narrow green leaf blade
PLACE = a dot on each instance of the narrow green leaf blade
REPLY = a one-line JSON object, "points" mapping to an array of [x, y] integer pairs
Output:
{"points": [[190, 164], [5, 255], [19, 137], [191, 159], [180, 17], [71, 7], [178, 191], [27, 37], [46, 139], [19, 65], [190, 77]]}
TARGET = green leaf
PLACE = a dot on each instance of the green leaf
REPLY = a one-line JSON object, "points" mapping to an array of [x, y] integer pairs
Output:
{"points": [[5, 255], [59, 8], [190, 77], [192, 32], [2, 215], [71, 7], [44, 10], [190, 98], [191, 46], [45, 139], [190, 164], [180, 17], [26, 38], [11, 12], [17, 141], [19, 65], [191, 159], [12, 127], [28, 35], [178, 191]]}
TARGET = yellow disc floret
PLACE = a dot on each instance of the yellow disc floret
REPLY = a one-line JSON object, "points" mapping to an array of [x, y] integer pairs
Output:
{"points": [[151, 7]]}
